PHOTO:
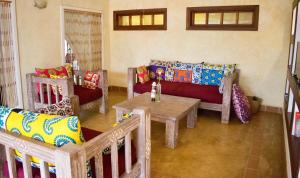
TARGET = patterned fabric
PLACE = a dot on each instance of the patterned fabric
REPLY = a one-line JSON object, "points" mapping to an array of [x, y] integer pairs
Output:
{"points": [[142, 73], [4, 113], [54, 86], [183, 76], [229, 69], [154, 71], [69, 69], [60, 71], [91, 80], [184, 66], [241, 104], [51, 129], [197, 71], [84, 33], [211, 77], [63, 108], [170, 65]]}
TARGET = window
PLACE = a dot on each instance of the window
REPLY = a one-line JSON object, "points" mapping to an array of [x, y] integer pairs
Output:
{"points": [[223, 18], [142, 19]]}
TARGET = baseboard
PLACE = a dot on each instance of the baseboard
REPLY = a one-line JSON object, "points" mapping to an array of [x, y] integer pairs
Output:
{"points": [[272, 109], [117, 88]]}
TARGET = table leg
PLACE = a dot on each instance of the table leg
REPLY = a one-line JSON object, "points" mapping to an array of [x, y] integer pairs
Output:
{"points": [[171, 133], [192, 118]]}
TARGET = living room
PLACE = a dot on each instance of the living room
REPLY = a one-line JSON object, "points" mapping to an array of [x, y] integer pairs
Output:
{"points": [[215, 143]]}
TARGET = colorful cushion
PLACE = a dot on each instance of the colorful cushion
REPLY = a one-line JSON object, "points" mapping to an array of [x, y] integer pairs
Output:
{"points": [[4, 113], [54, 86], [241, 104], [183, 76], [197, 71], [91, 80], [142, 73], [51, 129], [61, 71], [170, 65], [211, 77], [184, 66], [154, 72], [63, 108]]}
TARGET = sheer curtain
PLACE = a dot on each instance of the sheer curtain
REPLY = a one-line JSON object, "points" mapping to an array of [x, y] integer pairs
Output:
{"points": [[83, 33], [8, 86]]}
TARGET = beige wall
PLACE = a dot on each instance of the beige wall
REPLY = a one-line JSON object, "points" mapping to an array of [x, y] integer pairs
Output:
{"points": [[261, 55], [39, 33]]}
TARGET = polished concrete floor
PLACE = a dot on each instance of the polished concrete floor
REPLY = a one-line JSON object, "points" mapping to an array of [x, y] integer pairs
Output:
{"points": [[212, 149]]}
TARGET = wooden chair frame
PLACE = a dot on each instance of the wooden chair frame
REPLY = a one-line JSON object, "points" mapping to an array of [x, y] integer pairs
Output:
{"points": [[70, 160], [224, 108], [36, 101]]}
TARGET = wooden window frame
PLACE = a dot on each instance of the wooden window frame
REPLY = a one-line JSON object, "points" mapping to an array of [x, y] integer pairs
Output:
{"points": [[223, 9], [140, 12]]}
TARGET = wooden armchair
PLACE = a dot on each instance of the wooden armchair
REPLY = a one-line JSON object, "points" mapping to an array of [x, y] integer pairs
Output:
{"points": [[224, 107], [40, 94], [70, 160]]}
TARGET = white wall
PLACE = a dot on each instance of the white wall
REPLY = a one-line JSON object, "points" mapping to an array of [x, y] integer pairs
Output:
{"points": [[261, 55]]}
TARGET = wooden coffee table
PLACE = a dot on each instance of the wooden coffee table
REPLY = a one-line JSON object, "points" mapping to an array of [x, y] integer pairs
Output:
{"points": [[169, 110]]}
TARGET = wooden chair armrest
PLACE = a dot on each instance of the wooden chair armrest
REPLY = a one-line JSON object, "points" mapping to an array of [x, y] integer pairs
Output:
{"points": [[132, 80]]}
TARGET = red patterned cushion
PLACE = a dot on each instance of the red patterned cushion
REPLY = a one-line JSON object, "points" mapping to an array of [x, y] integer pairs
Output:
{"points": [[142, 73], [60, 71], [91, 80], [183, 76], [63, 108]]}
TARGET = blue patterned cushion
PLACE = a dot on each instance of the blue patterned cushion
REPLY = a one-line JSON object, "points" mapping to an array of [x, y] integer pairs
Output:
{"points": [[211, 77], [4, 113], [197, 71]]}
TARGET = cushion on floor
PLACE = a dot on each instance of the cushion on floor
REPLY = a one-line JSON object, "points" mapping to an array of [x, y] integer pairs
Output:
{"points": [[85, 95], [206, 93], [88, 135]]}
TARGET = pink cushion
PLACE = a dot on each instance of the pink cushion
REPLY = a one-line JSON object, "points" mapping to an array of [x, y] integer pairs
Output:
{"points": [[206, 93], [240, 103]]}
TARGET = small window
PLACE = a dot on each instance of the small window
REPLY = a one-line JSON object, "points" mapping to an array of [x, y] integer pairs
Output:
{"points": [[223, 18], [142, 19]]}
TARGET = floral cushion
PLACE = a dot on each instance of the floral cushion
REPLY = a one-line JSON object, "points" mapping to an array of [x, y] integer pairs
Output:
{"points": [[154, 72], [183, 76], [197, 71], [142, 73], [4, 113], [61, 71], [91, 80], [170, 65], [241, 104], [51, 129], [184, 66], [63, 108]]}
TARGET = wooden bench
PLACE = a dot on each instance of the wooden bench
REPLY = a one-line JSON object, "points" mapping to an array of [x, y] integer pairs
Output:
{"points": [[37, 99], [70, 160]]}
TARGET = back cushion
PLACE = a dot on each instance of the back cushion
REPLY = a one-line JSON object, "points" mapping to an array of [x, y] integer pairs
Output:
{"points": [[183, 76], [170, 65], [197, 71], [153, 72], [142, 73], [4, 113], [60, 71], [91, 80], [212, 74]]}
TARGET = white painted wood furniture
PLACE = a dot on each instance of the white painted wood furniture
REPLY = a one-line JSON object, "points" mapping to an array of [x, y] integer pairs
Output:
{"points": [[70, 160], [170, 110]]}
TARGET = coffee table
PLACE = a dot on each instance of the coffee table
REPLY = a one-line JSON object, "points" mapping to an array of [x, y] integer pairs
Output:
{"points": [[169, 110]]}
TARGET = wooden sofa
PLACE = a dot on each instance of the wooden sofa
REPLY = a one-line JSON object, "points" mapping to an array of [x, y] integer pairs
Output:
{"points": [[70, 160], [79, 96], [222, 105]]}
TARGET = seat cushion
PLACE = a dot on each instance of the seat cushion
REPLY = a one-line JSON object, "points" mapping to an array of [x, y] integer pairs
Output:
{"points": [[206, 93], [88, 135], [85, 95]]}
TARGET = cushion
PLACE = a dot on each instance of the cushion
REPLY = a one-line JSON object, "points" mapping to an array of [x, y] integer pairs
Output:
{"points": [[91, 80], [184, 66], [63, 108], [4, 113], [69, 69], [169, 73], [207, 93], [197, 71], [51, 129], [240, 104], [61, 71], [154, 71], [85, 95], [54, 86], [211, 77], [183, 76], [142, 73]]}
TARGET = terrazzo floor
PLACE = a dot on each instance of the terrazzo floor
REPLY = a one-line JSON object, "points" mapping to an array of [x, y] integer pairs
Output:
{"points": [[212, 149]]}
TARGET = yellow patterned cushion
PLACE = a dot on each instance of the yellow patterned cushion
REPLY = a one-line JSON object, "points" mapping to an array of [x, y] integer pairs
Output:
{"points": [[51, 129]]}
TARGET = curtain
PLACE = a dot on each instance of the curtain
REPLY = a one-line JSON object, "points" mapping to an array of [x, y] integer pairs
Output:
{"points": [[83, 33], [8, 87]]}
